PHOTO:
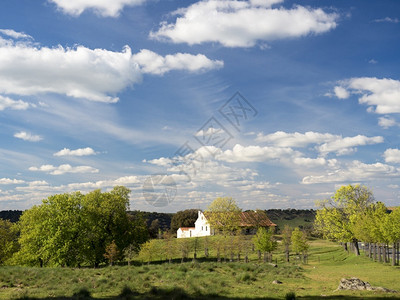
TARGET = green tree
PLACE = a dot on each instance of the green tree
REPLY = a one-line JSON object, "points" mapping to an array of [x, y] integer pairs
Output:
{"points": [[8, 240], [299, 243], [223, 215], [287, 241], [337, 218], [72, 229], [265, 242]]}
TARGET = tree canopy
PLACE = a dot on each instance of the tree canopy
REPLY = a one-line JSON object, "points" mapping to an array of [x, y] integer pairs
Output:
{"points": [[74, 229], [337, 218], [223, 215]]}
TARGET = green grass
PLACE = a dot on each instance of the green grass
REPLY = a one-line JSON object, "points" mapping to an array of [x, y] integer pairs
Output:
{"points": [[328, 263]]}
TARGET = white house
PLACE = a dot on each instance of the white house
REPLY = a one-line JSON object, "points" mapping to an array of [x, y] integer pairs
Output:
{"points": [[202, 228], [249, 221]]}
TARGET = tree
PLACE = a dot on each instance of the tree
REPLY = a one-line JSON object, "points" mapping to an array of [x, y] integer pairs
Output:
{"points": [[337, 218], [72, 229], [184, 218], [223, 215], [8, 240], [265, 242], [154, 228], [112, 253], [286, 240], [299, 243]]}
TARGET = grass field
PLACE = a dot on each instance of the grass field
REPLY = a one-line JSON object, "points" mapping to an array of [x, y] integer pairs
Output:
{"points": [[328, 263]]}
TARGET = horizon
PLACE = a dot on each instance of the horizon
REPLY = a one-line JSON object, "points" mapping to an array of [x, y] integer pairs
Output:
{"points": [[149, 95]]}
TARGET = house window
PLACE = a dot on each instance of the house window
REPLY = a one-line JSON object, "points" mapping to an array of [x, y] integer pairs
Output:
{"points": [[190, 233], [201, 228], [206, 228]]}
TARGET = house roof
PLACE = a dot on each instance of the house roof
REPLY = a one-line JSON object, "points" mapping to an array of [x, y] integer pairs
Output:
{"points": [[252, 219], [186, 228]]}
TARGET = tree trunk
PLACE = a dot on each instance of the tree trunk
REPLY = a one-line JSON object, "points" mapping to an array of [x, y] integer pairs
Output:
{"points": [[206, 252], [287, 255], [369, 250], [238, 257], [259, 255], [246, 259], [345, 246], [356, 249]]}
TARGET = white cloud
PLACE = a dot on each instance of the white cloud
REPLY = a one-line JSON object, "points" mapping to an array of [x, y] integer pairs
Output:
{"points": [[241, 153], [382, 95], [105, 8], [6, 102], [76, 72], [10, 181], [355, 171], [392, 156], [388, 20], [327, 142], [78, 152], [62, 169], [343, 146], [26, 136], [14, 34], [296, 139], [153, 63], [341, 92], [243, 23], [386, 122], [80, 72]]}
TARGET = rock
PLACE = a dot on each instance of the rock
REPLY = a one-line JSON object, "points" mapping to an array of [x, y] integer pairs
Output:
{"points": [[277, 282], [357, 284]]}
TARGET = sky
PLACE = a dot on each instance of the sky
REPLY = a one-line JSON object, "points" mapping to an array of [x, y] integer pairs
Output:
{"points": [[274, 103]]}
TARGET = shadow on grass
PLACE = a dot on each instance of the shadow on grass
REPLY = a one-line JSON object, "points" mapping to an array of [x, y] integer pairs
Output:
{"points": [[177, 293]]}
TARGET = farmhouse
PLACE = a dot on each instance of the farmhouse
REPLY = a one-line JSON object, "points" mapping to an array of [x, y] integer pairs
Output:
{"points": [[249, 222]]}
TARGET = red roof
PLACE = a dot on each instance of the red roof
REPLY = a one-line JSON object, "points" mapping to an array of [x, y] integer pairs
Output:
{"points": [[186, 228]]}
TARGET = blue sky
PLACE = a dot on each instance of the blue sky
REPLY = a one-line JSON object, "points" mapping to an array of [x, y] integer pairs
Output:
{"points": [[274, 103]]}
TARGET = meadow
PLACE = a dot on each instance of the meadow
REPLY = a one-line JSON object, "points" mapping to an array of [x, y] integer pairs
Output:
{"points": [[207, 279]]}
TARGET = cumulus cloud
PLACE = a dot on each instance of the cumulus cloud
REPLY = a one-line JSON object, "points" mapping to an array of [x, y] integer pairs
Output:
{"points": [[342, 146], [341, 92], [392, 156], [326, 142], [10, 181], [105, 8], [62, 169], [76, 72], [80, 72], [241, 153], [26, 136], [78, 152], [6, 102], [355, 171], [296, 139], [243, 23], [153, 63], [386, 122], [381, 95]]}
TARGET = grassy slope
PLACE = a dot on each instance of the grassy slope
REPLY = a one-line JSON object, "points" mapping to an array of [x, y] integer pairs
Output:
{"points": [[328, 263]]}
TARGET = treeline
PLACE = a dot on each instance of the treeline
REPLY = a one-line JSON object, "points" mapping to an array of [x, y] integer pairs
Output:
{"points": [[352, 216], [186, 218]]}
